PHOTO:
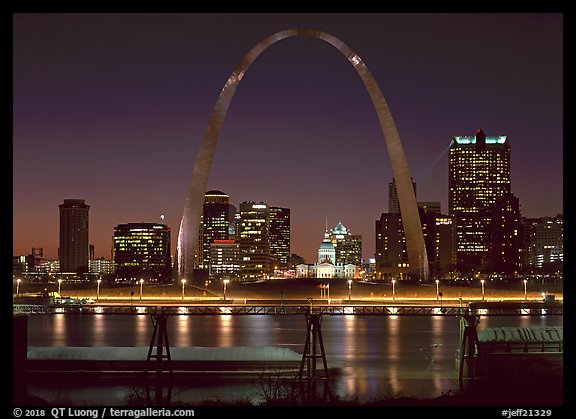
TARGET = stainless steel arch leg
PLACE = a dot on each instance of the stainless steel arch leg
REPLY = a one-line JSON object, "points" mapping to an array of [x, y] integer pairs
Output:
{"points": [[188, 232]]}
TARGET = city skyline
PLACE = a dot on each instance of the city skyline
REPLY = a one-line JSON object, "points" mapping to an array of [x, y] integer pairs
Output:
{"points": [[115, 114]]}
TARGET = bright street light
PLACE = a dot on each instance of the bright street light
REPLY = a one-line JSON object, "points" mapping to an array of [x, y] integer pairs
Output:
{"points": [[18, 287], [349, 290], [225, 283], [394, 289], [482, 282], [59, 284], [525, 290], [437, 290], [141, 283], [183, 282], [98, 290]]}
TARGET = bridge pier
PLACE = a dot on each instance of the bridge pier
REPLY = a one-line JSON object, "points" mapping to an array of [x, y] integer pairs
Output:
{"points": [[160, 336], [310, 354], [468, 348]]}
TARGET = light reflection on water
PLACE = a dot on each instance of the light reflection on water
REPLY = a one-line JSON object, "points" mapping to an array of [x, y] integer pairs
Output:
{"points": [[375, 356]]}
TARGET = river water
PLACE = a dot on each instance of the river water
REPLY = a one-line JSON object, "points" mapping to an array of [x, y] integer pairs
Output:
{"points": [[376, 356]]}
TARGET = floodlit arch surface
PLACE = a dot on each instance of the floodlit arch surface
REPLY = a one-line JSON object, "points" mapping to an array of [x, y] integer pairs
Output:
{"points": [[188, 233]]}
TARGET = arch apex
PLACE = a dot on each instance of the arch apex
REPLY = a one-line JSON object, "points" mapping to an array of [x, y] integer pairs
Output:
{"points": [[188, 232]]}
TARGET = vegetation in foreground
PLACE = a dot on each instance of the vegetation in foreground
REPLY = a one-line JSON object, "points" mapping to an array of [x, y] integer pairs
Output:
{"points": [[537, 383]]}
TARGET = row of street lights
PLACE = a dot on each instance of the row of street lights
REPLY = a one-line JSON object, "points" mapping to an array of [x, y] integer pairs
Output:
{"points": [[226, 281], [393, 289], [183, 281]]}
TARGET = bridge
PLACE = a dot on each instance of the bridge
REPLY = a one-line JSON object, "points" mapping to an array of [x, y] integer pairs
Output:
{"points": [[508, 308], [312, 310]]}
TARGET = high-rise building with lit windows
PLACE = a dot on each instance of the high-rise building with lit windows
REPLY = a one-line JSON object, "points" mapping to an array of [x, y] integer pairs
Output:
{"points": [[225, 259], [279, 237], [391, 257], [254, 239], [142, 251], [543, 241], [479, 173], [73, 250], [348, 246], [215, 221]]}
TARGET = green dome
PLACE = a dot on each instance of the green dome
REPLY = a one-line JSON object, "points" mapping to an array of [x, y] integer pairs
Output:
{"points": [[339, 229]]}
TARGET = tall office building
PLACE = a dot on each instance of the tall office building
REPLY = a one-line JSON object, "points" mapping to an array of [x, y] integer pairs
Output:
{"points": [[348, 246], [506, 236], [543, 241], [254, 239], [393, 201], [444, 256], [73, 251], [224, 259], [279, 237], [215, 221], [391, 257], [142, 251], [479, 173], [428, 212]]}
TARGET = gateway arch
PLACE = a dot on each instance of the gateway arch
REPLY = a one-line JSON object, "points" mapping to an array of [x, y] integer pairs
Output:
{"points": [[190, 223]]}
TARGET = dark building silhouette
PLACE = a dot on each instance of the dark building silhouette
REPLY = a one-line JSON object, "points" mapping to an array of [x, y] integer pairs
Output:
{"points": [[391, 257], [393, 201], [73, 250], [295, 260], [506, 236]]}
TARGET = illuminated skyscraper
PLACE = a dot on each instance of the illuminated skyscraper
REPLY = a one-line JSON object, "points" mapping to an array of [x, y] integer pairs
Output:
{"points": [[479, 173], [348, 246], [279, 237], [254, 239], [73, 251], [142, 251], [217, 216]]}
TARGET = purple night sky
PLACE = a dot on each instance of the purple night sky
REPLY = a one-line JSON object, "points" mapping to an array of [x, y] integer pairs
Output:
{"points": [[111, 108]]}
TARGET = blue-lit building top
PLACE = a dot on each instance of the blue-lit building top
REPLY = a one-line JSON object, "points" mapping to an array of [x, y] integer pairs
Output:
{"points": [[461, 140]]}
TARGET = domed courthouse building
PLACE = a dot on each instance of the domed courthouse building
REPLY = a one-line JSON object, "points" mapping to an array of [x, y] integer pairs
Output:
{"points": [[339, 256]]}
